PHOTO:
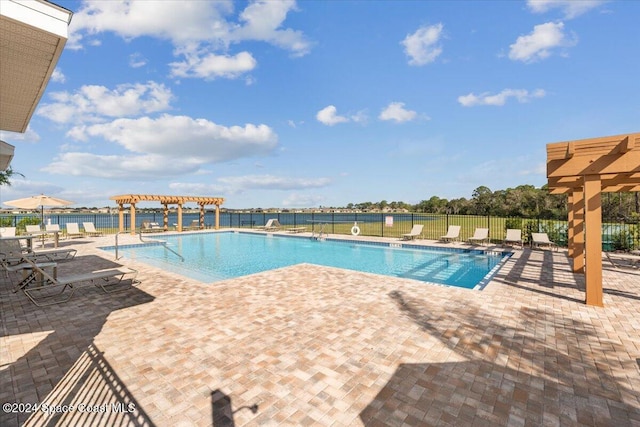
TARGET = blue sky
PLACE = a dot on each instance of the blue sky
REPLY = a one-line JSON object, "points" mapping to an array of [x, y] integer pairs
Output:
{"points": [[321, 103]]}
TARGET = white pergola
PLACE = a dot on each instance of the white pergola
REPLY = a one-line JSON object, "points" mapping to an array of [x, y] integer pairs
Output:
{"points": [[32, 36]]}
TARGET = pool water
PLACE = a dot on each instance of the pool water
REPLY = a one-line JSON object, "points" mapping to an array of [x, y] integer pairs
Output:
{"points": [[211, 257]]}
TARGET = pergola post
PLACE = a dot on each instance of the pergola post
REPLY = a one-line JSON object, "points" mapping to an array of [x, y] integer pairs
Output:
{"points": [[201, 216], [179, 216], [133, 218], [593, 240], [165, 217], [576, 229], [217, 216], [120, 217]]}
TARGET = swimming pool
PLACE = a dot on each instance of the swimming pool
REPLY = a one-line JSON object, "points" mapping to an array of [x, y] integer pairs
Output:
{"points": [[211, 257]]}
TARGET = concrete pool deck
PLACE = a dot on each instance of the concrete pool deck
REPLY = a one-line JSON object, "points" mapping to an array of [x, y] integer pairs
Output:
{"points": [[310, 345]]}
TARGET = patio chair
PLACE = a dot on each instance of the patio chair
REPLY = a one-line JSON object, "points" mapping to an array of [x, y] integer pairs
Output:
{"points": [[13, 253], [481, 235], [36, 231], [272, 225], [195, 225], [90, 229], [453, 233], [73, 230], [52, 230], [7, 231], [540, 240], [513, 237], [151, 227], [108, 280], [623, 260], [416, 231]]}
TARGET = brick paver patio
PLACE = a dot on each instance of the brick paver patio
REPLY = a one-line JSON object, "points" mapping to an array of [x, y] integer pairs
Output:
{"points": [[310, 345]]}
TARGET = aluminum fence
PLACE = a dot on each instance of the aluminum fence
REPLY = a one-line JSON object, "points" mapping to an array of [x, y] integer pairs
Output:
{"points": [[394, 225]]}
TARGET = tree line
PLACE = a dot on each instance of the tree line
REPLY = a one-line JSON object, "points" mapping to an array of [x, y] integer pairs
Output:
{"points": [[524, 201]]}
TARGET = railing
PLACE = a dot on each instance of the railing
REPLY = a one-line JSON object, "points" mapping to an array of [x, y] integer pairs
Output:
{"points": [[615, 235], [162, 242]]}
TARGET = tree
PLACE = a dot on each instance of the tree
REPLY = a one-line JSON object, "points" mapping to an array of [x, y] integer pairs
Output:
{"points": [[5, 176]]}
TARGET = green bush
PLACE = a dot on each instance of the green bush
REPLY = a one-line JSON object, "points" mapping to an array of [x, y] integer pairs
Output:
{"points": [[28, 220], [622, 241], [514, 223]]}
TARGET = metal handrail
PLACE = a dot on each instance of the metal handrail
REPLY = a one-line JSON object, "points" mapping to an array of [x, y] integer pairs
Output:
{"points": [[164, 243], [147, 241]]}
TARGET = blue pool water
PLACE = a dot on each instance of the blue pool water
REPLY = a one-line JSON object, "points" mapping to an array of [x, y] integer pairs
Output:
{"points": [[210, 257]]}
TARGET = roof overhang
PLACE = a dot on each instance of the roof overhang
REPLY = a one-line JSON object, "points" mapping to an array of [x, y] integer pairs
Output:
{"points": [[6, 154], [32, 35]]}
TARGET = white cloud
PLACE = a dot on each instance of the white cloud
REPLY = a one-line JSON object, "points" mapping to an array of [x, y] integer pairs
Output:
{"points": [[272, 182], [136, 60], [570, 8], [540, 42], [183, 137], [262, 21], [297, 200], [120, 166], [422, 47], [210, 66], [29, 136], [329, 116], [201, 31], [94, 103], [57, 76], [395, 111], [521, 95]]}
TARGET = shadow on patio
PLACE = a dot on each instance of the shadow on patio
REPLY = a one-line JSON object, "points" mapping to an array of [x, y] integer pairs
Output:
{"points": [[48, 356], [535, 371]]}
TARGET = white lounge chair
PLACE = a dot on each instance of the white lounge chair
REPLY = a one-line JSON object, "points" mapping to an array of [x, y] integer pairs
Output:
{"points": [[7, 231], [272, 225], [539, 240], [73, 230], [90, 229], [416, 231], [481, 235], [151, 227], [53, 231], [453, 233], [108, 280], [513, 237]]}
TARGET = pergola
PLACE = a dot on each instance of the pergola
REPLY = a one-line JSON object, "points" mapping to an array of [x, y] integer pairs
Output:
{"points": [[132, 199], [583, 170]]}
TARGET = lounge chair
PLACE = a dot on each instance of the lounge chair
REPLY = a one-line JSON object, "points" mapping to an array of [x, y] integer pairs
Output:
{"points": [[513, 237], [36, 232], [53, 231], [151, 227], [453, 233], [195, 225], [416, 231], [12, 252], [73, 230], [90, 229], [7, 231], [540, 240], [481, 235], [108, 280], [272, 225], [623, 260], [21, 266]]}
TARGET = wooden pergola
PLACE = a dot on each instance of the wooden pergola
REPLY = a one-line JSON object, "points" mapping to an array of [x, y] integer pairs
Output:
{"points": [[132, 199], [583, 170]]}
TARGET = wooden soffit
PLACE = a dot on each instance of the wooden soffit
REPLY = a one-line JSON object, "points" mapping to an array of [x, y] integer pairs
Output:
{"points": [[616, 159], [169, 200]]}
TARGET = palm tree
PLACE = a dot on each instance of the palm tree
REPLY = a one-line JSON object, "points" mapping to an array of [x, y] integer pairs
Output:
{"points": [[5, 176]]}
